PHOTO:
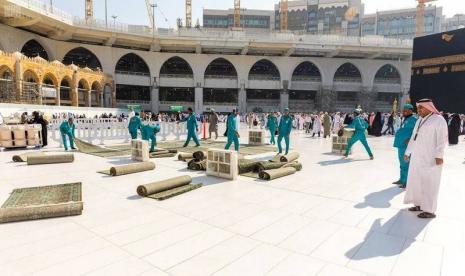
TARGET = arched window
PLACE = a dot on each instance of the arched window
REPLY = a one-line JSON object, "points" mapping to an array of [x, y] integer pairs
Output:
{"points": [[306, 71], [32, 48], [82, 58], [264, 70], [220, 68], [132, 64], [348, 73], [387, 74], [176, 67]]}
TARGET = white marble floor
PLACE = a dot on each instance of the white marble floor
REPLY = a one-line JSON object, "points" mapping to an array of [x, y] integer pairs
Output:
{"points": [[336, 217]]}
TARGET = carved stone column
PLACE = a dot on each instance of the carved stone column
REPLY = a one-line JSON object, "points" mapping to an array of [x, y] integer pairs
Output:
{"points": [[284, 96], [242, 99]]}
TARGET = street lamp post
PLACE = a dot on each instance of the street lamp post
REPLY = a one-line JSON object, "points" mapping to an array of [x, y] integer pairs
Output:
{"points": [[114, 20], [153, 20], [106, 14]]}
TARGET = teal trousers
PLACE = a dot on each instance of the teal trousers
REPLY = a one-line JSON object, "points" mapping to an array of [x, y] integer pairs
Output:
{"points": [[231, 139], [71, 140], [363, 139], [286, 140], [191, 135], [403, 165]]}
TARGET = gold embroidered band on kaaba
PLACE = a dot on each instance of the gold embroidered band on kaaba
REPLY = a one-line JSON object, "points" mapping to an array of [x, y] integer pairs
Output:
{"points": [[438, 61]]}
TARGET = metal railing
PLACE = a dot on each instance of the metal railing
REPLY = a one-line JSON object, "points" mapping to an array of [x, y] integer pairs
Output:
{"points": [[211, 34], [306, 78], [264, 77], [177, 76], [132, 73]]}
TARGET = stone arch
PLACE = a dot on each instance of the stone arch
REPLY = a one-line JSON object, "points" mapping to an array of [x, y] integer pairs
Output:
{"points": [[264, 69], [95, 93], [132, 63], [6, 69], [176, 66], [83, 92], [30, 76], [66, 90], [348, 72], [307, 70], [33, 48], [82, 57], [51, 78], [221, 65], [387, 73]]}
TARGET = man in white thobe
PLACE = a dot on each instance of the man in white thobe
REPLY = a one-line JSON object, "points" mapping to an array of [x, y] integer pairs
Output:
{"points": [[425, 152]]}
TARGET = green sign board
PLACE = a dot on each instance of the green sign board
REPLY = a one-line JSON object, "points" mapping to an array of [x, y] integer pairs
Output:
{"points": [[134, 107], [176, 108]]}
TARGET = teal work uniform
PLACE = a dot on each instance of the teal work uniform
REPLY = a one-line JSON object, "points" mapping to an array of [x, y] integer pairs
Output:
{"points": [[401, 139], [272, 125], [67, 130], [192, 127], [231, 132], [285, 127], [149, 133], [360, 126], [134, 125]]}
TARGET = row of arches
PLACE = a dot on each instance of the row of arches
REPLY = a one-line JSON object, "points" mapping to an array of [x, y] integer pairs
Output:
{"points": [[219, 68]]}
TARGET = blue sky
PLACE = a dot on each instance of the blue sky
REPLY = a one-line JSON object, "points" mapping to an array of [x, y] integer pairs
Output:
{"points": [[134, 11]]}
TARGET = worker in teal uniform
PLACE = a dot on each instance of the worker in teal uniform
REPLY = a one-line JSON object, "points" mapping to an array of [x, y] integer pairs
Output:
{"points": [[284, 130], [272, 125], [401, 141], [134, 125], [149, 132], [231, 131], [67, 129], [192, 128], [360, 126]]}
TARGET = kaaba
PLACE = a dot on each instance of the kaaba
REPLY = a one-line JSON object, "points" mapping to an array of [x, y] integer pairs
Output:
{"points": [[438, 70]]}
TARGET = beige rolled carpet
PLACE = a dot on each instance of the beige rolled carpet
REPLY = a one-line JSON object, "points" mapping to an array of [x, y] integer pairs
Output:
{"points": [[23, 157], [200, 155], [130, 168], [162, 155], [296, 165], [246, 165], [51, 159], [167, 188], [276, 173], [267, 165], [183, 156], [42, 202], [290, 157], [276, 158]]}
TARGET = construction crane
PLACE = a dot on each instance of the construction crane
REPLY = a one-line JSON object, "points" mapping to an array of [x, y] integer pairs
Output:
{"points": [[150, 6], [283, 13], [237, 13], [420, 24], [89, 10], [188, 13]]}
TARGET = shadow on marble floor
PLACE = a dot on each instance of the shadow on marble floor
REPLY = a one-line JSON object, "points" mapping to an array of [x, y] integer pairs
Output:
{"points": [[380, 199]]}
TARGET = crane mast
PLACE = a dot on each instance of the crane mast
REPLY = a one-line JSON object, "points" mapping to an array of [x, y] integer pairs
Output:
{"points": [[420, 18], [188, 13], [149, 4], [237, 13], [89, 9], [283, 15]]}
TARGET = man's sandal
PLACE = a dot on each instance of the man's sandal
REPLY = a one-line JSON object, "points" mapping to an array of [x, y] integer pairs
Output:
{"points": [[415, 209], [426, 215]]}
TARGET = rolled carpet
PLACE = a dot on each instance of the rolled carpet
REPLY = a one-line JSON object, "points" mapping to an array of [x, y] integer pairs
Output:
{"points": [[197, 165], [162, 155], [276, 158], [290, 157], [51, 159], [200, 155], [268, 165], [183, 156], [276, 173], [23, 157], [164, 185], [132, 168], [246, 165], [296, 165]]}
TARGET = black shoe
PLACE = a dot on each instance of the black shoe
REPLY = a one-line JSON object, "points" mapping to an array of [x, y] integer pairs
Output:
{"points": [[397, 182], [73, 148], [402, 186]]}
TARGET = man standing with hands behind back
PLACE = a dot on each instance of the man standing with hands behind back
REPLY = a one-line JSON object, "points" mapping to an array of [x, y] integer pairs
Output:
{"points": [[425, 152]]}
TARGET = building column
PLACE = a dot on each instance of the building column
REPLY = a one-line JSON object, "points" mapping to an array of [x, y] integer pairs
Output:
{"points": [[18, 80], [328, 98], [198, 100], [89, 98], [155, 100], [242, 100], [58, 96], [102, 104], [284, 96], [39, 90]]}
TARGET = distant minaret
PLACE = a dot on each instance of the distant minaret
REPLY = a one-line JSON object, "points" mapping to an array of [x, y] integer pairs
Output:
{"points": [[89, 9]]}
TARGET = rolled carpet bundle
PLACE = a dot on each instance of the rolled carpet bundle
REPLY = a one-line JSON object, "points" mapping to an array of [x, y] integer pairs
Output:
{"points": [[276, 158], [162, 155], [296, 165], [290, 157], [23, 157], [132, 168], [268, 165], [200, 155], [246, 165], [51, 159], [197, 165], [167, 188], [276, 173], [183, 156]]}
